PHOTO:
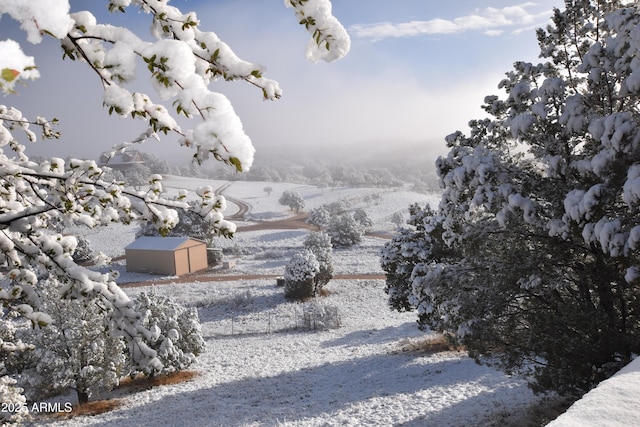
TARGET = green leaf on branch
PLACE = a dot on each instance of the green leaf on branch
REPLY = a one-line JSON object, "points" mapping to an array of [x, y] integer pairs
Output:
{"points": [[9, 74], [215, 55], [236, 162]]}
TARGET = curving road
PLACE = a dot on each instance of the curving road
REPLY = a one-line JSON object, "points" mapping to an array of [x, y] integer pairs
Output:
{"points": [[291, 223], [243, 208]]}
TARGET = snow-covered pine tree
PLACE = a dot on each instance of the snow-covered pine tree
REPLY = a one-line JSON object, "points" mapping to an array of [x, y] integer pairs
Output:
{"points": [[299, 275], [176, 335], [362, 217], [293, 199], [137, 176], [397, 219], [344, 230], [541, 207], [182, 60], [410, 246], [319, 243], [78, 350], [319, 216]]}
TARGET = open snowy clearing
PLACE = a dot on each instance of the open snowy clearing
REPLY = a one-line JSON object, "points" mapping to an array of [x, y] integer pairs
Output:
{"points": [[261, 368], [264, 366]]}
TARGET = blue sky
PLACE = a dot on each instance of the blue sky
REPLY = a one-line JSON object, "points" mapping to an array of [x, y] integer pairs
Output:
{"points": [[417, 71]]}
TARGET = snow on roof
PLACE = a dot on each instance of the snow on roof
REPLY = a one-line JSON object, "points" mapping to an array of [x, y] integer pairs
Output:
{"points": [[154, 243], [614, 402], [121, 158]]}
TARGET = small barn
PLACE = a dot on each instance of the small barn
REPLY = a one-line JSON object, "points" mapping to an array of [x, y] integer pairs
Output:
{"points": [[121, 160], [171, 256]]}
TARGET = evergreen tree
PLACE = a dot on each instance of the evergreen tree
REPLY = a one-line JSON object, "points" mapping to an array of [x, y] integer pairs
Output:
{"points": [[320, 245], [190, 224], [319, 216], [78, 350], [155, 164], [541, 210], [411, 246], [344, 230], [137, 175], [362, 217], [293, 199], [176, 335], [299, 275], [397, 219]]}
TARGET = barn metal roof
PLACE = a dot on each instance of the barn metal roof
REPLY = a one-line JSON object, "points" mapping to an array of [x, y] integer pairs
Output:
{"points": [[155, 243]]}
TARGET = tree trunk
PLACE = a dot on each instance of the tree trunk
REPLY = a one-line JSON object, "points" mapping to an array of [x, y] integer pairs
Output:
{"points": [[83, 396], [604, 276]]}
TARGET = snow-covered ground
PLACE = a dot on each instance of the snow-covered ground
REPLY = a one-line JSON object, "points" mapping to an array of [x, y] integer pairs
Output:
{"points": [[263, 367], [260, 370], [614, 403]]}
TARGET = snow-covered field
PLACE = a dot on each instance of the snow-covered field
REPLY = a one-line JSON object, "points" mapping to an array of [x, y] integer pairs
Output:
{"points": [[263, 367]]}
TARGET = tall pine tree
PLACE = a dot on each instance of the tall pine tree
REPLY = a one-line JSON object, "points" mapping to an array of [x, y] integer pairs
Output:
{"points": [[540, 210]]}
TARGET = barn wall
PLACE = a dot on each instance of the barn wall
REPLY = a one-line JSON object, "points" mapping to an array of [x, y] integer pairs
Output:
{"points": [[182, 261], [198, 258], [188, 257], [147, 261], [191, 258]]}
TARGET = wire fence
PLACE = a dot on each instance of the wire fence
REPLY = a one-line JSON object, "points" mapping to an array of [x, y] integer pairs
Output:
{"points": [[313, 315]]}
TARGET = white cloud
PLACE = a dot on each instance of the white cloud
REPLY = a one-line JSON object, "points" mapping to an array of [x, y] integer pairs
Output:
{"points": [[491, 21]]}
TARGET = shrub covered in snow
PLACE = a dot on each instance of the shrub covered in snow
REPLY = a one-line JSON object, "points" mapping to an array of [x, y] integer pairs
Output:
{"points": [[319, 244], [320, 316], [319, 216], [293, 199], [299, 275], [13, 401], [83, 252], [344, 230], [12, 351], [176, 335], [77, 350]]}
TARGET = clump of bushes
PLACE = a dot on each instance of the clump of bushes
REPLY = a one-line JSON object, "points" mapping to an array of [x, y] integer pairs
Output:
{"points": [[345, 227], [319, 316], [292, 199], [319, 244], [299, 275], [80, 349], [309, 270]]}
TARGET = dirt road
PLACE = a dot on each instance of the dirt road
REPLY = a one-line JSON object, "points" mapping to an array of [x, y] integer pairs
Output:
{"points": [[292, 223], [209, 276]]}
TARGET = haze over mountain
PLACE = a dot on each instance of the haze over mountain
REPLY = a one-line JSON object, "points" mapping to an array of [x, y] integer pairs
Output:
{"points": [[416, 72]]}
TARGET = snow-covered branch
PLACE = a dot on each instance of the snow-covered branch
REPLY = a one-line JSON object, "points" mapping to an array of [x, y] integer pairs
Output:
{"points": [[180, 60]]}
